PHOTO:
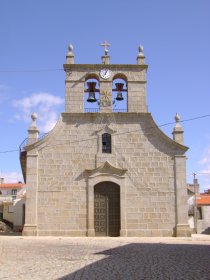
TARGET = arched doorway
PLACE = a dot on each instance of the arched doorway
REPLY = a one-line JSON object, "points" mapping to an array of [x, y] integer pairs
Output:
{"points": [[107, 209]]}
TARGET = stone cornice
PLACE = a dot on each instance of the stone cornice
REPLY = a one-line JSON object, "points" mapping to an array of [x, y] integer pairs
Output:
{"points": [[65, 114], [167, 138], [113, 67]]}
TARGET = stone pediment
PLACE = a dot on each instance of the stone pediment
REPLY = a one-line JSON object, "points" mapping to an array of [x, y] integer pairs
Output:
{"points": [[106, 169], [105, 129]]}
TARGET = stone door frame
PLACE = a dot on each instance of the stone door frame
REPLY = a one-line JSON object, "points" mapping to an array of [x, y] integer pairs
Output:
{"points": [[107, 198], [90, 187], [106, 173]]}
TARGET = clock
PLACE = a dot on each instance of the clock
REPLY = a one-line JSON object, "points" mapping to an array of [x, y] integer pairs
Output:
{"points": [[105, 73]]}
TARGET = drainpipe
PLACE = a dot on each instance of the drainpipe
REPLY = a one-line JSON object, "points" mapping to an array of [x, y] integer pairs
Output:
{"points": [[195, 203]]}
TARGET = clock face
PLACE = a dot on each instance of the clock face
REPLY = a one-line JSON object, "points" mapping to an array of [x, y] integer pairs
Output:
{"points": [[105, 73]]}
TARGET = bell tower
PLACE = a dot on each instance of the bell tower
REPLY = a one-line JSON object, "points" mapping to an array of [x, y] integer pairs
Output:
{"points": [[105, 87]]}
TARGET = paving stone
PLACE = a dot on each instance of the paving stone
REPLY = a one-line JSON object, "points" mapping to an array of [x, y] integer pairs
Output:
{"points": [[38, 258]]}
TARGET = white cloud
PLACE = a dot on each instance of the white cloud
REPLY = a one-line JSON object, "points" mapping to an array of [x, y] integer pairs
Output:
{"points": [[44, 104], [12, 177]]}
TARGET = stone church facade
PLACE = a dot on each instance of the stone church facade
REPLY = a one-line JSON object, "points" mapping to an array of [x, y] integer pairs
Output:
{"points": [[105, 169]]}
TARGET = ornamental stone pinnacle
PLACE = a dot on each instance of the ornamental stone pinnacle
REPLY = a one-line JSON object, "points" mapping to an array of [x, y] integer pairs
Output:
{"points": [[33, 130], [34, 118], [70, 55], [140, 57], [178, 130], [177, 118], [70, 48], [141, 51]]}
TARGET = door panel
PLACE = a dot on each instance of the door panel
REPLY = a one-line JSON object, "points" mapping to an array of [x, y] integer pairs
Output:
{"points": [[107, 209], [100, 214]]}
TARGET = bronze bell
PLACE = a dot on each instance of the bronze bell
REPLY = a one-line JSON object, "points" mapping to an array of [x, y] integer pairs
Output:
{"points": [[91, 97], [119, 96], [91, 90], [119, 88]]}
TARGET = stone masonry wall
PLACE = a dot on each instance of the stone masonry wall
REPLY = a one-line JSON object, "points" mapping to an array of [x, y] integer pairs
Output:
{"points": [[136, 146]]}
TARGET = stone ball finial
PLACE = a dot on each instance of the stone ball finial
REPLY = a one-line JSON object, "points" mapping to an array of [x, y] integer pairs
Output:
{"points": [[70, 48], [141, 51], [33, 124], [177, 118], [34, 117], [141, 48], [70, 55]]}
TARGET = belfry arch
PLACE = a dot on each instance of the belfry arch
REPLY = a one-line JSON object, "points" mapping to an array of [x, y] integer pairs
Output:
{"points": [[91, 93], [119, 93]]}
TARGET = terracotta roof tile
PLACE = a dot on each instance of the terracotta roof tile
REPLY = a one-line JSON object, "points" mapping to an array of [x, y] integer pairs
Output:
{"points": [[11, 185], [203, 199]]}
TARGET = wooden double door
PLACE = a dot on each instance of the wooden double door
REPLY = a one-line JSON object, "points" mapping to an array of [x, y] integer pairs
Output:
{"points": [[107, 209]]}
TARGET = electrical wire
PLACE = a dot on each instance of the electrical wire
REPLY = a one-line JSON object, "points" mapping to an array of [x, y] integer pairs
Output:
{"points": [[31, 71], [152, 127], [10, 151]]}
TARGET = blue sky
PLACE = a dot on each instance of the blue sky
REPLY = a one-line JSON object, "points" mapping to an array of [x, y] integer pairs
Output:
{"points": [[35, 35]]}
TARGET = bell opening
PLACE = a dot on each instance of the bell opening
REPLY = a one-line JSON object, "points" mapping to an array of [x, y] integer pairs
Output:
{"points": [[119, 88], [120, 94]]}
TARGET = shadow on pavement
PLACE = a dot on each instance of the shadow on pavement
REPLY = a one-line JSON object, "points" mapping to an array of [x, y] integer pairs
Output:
{"points": [[149, 262]]}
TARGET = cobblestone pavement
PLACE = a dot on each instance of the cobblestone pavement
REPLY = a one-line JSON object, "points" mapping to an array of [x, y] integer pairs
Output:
{"points": [[63, 258]]}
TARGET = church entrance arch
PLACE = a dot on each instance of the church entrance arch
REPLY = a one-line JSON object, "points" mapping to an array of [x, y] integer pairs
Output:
{"points": [[107, 209]]}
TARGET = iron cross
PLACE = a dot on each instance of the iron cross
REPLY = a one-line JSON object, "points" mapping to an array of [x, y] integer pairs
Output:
{"points": [[105, 45]]}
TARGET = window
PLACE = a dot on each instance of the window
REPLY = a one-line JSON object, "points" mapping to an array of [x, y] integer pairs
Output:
{"points": [[10, 209], [106, 143], [199, 213], [14, 192]]}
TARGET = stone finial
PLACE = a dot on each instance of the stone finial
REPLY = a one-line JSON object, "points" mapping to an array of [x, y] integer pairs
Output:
{"points": [[140, 57], [141, 51], [177, 118], [70, 55], [33, 130], [178, 130], [70, 48], [34, 118]]}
